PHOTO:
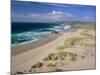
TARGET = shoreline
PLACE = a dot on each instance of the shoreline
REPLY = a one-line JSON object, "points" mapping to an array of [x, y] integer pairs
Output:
{"points": [[29, 55], [21, 48], [16, 50]]}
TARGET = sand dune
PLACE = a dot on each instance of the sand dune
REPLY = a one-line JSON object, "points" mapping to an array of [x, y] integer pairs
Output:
{"points": [[24, 60]]}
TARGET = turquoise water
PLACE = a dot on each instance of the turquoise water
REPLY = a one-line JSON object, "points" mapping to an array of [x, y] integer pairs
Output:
{"points": [[23, 32]]}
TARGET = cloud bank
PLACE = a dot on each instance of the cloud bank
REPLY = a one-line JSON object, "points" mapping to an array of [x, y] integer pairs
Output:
{"points": [[53, 16]]}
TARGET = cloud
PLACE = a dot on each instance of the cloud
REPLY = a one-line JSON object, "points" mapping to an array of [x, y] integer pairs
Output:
{"points": [[88, 18], [56, 12], [52, 16]]}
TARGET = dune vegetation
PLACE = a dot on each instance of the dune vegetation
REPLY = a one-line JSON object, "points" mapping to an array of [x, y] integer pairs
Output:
{"points": [[62, 55], [85, 39], [37, 65]]}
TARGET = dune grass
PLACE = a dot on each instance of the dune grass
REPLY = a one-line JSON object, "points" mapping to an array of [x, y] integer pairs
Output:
{"points": [[56, 56], [51, 56], [37, 65], [61, 56], [89, 42], [70, 42], [87, 26], [73, 56], [85, 33], [18, 73], [82, 57], [51, 65], [61, 47], [57, 70]]}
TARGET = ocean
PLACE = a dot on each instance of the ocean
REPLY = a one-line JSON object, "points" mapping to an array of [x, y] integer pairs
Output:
{"points": [[25, 32]]}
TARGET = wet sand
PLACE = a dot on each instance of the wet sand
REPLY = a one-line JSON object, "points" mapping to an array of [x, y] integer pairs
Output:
{"points": [[26, 47]]}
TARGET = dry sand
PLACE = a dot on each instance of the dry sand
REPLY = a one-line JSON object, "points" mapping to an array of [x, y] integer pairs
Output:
{"points": [[18, 49], [22, 61]]}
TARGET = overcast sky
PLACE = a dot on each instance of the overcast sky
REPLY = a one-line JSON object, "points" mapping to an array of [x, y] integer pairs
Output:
{"points": [[47, 12]]}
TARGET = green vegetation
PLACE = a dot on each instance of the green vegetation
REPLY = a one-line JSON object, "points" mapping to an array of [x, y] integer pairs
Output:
{"points": [[57, 70], [47, 58], [70, 42], [19, 72], [51, 56], [73, 41], [38, 65], [61, 47], [85, 33], [90, 44], [73, 56], [81, 23], [56, 56], [82, 57], [86, 41], [87, 26], [62, 55], [51, 65]]}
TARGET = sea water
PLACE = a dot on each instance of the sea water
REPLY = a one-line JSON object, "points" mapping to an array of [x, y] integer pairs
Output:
{"points": [[24, 32]]}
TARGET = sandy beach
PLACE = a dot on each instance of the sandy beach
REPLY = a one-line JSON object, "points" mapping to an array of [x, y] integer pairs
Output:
{"points": [[24, 56], [26, 47], [52, 37]]}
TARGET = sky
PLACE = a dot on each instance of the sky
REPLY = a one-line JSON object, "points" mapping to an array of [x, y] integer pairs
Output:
{"points": [[22, 11]]}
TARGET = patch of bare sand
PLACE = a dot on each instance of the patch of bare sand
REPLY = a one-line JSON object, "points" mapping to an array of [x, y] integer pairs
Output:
{"points": [[87, 63]]}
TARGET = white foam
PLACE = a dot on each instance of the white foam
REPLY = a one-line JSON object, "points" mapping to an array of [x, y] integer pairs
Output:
{"points": [[67, 27], [36, 35]]}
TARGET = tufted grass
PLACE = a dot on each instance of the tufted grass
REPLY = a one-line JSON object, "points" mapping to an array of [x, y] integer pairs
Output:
{"points": [[50, 65], [70, 42], [37, 65]]}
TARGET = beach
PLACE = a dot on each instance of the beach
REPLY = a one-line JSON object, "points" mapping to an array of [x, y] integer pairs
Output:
{"points": [[26, 47], [47, 37], [24, 56]]}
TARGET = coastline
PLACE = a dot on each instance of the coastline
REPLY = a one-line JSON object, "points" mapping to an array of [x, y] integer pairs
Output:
{"points": [[56, 39], [28, 46], [21, 48], [30, 55]]}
